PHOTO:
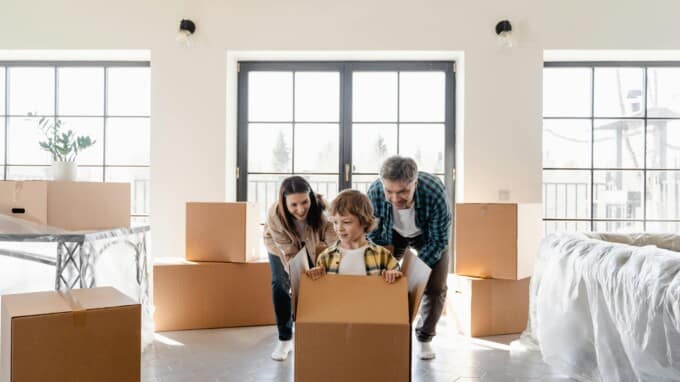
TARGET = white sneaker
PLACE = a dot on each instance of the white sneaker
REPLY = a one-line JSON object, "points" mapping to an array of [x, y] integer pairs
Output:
{"points": [[282, 350], [426, 352]]}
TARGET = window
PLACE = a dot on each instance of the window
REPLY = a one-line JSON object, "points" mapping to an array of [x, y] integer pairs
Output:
{"points": [[335, 122], [109, 101], [611, 147]]}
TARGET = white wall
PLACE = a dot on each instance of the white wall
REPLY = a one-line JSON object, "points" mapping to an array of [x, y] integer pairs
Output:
{"points": [[499, 126]]}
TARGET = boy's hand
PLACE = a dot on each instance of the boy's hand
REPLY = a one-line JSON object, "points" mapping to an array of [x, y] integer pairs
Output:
{"points": [[391, 276], [316, 273]]}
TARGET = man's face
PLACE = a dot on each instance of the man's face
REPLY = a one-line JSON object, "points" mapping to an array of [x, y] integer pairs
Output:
{"points": [[399, 194]]}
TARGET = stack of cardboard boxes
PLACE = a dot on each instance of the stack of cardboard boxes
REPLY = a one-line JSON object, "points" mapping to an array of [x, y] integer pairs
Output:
{"points": [[223, 281], [75, 335], [495, 247]]}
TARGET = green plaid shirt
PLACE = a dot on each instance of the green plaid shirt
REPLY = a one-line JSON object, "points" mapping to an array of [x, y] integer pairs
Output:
{"points": [[377, 259], [433, 216]]}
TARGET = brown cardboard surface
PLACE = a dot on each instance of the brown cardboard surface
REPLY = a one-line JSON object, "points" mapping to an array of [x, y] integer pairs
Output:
{"points": [[30, 196], [496, 240], [352, 328], [192, 295], [222, 232], [89, 335], [486, 307], [80, 206]]}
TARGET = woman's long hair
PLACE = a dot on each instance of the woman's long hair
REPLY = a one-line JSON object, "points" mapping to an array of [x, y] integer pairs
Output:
{"points": [[298, 185]]}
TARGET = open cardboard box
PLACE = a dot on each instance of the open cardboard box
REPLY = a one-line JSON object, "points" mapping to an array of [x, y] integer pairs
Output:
{"points": [[357, 328]]}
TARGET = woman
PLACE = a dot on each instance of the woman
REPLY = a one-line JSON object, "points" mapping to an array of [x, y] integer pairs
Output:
{"points": [[296, 220]]}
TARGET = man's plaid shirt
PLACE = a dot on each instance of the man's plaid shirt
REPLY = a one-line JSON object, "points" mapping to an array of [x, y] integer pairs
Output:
{"points": [[376, 258], [433, 216]]}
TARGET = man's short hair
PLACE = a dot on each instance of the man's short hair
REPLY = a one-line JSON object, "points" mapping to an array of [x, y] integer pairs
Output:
{"points": [[399, 169]]}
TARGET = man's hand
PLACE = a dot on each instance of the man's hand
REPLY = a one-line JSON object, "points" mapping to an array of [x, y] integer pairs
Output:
{"points": [[390, 248], [316, 273], [391, 276]]}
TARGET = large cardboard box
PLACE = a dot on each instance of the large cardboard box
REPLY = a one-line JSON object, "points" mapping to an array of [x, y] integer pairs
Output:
{"points": [[192, 295], [72, 206], [487, 307], [24, 200], [223, 232], [85, 206], [82, 335], [357, 328], [497, 241]]}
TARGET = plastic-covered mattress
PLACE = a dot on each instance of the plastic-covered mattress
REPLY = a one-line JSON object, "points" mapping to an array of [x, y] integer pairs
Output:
{"points": [[603, 311]]}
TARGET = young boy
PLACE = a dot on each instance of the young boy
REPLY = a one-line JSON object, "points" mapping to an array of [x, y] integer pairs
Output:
{"points": [[353, 254]]}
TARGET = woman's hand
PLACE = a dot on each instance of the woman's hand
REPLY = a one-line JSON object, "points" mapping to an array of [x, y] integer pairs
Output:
{"points": [[391, 276], [316, 273], [320, 248]]}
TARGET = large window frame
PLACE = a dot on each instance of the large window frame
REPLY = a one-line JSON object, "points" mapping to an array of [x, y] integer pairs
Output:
{"points": [[591, 222], [345, 68], [105, 116]]}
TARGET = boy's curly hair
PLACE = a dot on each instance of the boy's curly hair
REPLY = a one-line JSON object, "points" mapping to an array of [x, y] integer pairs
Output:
{"points": [[355, 203]]}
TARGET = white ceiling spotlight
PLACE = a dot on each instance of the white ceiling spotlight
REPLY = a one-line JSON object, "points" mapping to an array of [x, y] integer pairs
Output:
{"points": [[186, 29], [504, 32]]}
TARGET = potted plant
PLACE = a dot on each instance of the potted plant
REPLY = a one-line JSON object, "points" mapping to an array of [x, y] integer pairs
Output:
{"points": [[64, 147]]}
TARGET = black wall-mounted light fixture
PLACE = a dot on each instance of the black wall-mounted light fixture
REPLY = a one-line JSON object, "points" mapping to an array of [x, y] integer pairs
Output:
{"points": [[504, 32], [186, 29]]}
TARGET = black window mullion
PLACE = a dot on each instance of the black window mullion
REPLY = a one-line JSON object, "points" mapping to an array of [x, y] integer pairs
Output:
{"points": [[346, 127], [592, 148], [242, 136]]}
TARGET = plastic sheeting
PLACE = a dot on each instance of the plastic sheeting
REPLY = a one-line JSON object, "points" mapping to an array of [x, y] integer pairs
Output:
{"points": [[602, 311], [115, 265]]}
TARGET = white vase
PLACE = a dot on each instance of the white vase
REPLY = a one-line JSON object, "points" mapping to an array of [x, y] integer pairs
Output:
{"points": [[64, 171]]}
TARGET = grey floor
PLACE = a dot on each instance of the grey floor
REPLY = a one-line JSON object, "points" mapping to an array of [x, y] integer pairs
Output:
{"points": [[242, 355]]}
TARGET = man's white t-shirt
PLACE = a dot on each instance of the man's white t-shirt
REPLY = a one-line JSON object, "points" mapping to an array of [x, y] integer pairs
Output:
{"points": [[405, 222], [353, 262]]}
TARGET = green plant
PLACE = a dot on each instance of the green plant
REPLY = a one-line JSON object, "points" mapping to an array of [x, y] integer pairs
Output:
{"points": [[64, 146]]}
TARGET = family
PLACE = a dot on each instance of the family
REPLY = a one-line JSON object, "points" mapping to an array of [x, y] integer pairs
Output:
{"points": [[362, 234]]}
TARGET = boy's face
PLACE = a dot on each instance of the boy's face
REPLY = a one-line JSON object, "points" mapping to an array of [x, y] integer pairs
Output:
{"points": [[348, 228]]}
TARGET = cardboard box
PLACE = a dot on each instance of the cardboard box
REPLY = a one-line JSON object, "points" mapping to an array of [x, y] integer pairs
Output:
{"points": [[357, 328], [24, 200], [487, 307], [86, 206], [191, 295], [82, 335], [223, 232], [72, 206], [497, 241]]}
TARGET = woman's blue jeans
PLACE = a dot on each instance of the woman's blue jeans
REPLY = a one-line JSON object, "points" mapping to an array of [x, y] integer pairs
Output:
{"points": [[281, 298]]}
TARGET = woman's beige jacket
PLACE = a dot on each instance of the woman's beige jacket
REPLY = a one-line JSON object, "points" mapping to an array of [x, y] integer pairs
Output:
{"points": [[286, 245]]}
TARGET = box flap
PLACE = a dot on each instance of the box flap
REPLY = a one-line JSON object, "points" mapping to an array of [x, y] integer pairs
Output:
{"points": [[33, 304], [418, 274], [352, 299], [99, 298], [296, 269], [40, 303]]}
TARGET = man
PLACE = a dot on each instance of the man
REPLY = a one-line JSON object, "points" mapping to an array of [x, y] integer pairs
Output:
{"points": [[413, 211]]}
